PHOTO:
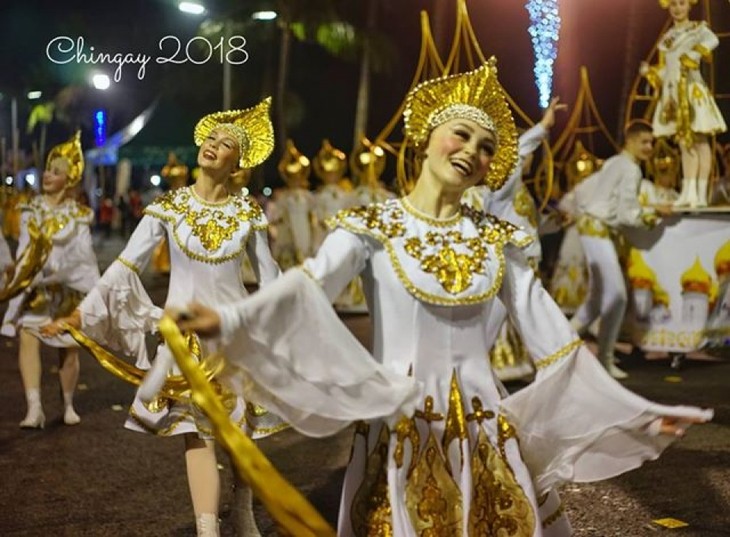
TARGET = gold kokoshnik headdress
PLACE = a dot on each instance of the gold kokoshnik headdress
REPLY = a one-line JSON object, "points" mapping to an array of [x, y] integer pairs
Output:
{"points": [[665, 3], [71, 152], [475, 95], [250, 127]]}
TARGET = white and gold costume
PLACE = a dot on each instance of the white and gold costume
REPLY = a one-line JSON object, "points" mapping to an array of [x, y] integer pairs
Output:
{"points": [[291, 211], [513, 203], [685, 104], [651, 194], [208, 243], [453, 465], [60, 282], [609, 199]]}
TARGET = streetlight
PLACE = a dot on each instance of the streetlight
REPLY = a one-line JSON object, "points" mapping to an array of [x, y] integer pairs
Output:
{"points": [[194, 8], [264, 15], [33, 95], [100, 81]]}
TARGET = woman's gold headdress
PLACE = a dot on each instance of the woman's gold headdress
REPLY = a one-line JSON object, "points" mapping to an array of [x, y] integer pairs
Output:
{"points": [[71, 152], [475, 95], [294, 167], [250, 127], [329, 160], [665, 3]]}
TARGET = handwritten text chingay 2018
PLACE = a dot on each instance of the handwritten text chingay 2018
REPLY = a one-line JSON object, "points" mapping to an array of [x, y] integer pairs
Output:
{"points": [[63, 49]]}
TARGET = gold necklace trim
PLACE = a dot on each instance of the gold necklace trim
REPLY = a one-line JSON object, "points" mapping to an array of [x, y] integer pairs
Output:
{"points": [[206, 202], [430, 220]]}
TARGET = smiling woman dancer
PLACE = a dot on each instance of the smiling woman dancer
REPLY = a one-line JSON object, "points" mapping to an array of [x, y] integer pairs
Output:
{"points": [[55, 267], [438, 451], [209, 232]]}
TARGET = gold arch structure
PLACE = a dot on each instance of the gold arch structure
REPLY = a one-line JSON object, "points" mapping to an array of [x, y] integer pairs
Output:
{"points": [[465, 54], [584, 125], [429, 66]]}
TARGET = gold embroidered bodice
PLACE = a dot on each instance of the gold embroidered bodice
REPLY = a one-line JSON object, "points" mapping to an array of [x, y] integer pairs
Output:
{"points": [[204, 231], [57, 222], [453, 261]]}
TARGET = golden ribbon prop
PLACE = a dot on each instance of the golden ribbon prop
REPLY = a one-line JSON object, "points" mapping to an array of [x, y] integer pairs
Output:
{"points": [[175, 387], [30, 262], [294, 514]]}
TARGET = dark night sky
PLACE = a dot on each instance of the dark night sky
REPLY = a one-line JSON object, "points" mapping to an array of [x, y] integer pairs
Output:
{"points": [[610, 37]]}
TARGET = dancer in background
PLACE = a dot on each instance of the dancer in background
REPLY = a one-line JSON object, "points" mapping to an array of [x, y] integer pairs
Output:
{"points": [[55, 267], [210, 231], [686, 109], [438, 450], [606, 201], [514, 203]]}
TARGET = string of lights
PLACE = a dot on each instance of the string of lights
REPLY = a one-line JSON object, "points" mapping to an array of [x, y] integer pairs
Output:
{"points": [[544, 31]]}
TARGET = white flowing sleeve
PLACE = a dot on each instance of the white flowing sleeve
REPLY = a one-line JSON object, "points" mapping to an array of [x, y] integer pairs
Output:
{"points": [[286, 349], [118, 312], [262, 262], [575, 423], [528, 142]]}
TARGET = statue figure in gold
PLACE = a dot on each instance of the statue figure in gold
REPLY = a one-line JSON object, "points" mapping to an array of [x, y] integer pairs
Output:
{"points": [[685, 107]]}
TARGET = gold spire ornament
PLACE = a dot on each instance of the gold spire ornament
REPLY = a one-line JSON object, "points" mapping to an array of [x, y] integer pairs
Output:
{"points": [[251, 128], [330, 163], [71, 152], [476, 95], [294, 167], [367, 163]]}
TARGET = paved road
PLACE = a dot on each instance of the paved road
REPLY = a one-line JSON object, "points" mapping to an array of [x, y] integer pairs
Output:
{"points": [[97, 479]]}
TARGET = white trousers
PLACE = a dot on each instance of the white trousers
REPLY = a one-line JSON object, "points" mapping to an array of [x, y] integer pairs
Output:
{"points": [[606, 298]]}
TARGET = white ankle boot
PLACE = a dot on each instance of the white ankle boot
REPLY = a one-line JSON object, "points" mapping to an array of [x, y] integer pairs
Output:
{"points": [[70, 417], [701, 193], [206, 525], [688, 194], [613, 370], [34, 419]]}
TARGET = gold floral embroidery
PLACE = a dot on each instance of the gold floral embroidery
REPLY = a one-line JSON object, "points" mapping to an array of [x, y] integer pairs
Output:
{"points": [[499, 505], [211, 225], [525, 205], [592, 227], [455, 420], [371, 513], [449, 256], [427, 414], [406, 430], [479, 414], [505, 431], [433, 499], [453, 270]]}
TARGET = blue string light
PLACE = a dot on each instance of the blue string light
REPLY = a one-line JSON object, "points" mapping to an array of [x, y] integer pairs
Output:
{"points": [[544, 31], [100, 127]]}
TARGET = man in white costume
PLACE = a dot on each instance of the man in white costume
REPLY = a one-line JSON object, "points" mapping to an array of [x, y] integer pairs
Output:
{"points": [[606, 201]]}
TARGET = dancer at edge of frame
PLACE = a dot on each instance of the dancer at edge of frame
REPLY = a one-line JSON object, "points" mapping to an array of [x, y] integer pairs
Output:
{"points": [[439, 447], [55, 267], [686, 109], [210, 231]]}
